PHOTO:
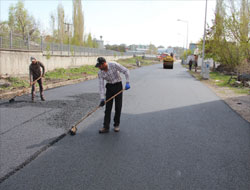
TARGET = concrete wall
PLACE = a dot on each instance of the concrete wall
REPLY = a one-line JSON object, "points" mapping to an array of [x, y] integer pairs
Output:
{"points": [[16, 63]]}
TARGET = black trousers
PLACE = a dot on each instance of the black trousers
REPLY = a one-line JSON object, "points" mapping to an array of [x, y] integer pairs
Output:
{"points": [[33, 89], [190, 65], [111, 90]]}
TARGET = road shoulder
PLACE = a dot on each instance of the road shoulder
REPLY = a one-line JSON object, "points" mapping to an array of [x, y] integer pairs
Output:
{"points": [[240, 103]]}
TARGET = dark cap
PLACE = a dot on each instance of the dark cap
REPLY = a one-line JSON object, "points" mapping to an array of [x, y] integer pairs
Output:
{"points": [[100, 61], [32, 58]]}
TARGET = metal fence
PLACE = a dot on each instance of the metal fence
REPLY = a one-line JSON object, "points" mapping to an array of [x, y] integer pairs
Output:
{"points": [[17, 42]]}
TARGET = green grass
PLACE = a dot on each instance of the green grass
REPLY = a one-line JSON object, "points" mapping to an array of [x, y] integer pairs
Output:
{"points": [[222, 80], [197, 75], [73, 73], [17, 82]]}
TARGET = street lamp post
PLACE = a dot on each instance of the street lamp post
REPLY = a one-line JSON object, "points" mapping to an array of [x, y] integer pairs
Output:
{"points": [[185, 21], [204, 68]]}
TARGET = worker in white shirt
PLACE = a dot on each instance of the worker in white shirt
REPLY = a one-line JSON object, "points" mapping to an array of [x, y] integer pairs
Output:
{"points": [[110, 72]]}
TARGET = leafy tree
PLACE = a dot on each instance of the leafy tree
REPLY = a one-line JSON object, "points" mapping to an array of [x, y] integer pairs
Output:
{"points": [[4, 28], [227, 39], [53, 23], [120, 48], [186, 54], [21, 22], [89, 42], [152, 49]]}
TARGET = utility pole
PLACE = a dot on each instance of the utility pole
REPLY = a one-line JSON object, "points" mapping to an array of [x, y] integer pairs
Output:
{"points": [[204, 68]]}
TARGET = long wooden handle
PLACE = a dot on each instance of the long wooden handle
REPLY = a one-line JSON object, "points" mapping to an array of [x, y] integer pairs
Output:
{"points": [[26, 89], [36, 80], [114, 96], [88, 114]]}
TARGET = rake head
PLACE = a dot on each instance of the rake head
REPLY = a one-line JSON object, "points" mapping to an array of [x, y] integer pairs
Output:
{"points": [[11, 100], [73, 130]]}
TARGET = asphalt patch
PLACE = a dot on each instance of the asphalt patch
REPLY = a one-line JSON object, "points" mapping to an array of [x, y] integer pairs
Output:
{"points": [[67, 112]]}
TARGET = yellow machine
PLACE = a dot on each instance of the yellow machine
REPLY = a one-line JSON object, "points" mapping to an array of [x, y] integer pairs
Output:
{"points": [[168, 62]]}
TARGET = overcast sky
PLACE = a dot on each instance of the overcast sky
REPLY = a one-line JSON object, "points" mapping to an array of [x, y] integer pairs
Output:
{"points": [[129, 22]]}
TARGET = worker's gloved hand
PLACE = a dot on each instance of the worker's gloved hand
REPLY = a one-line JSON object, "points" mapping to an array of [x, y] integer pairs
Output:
{"points": [[127, 86], [102, 103]]}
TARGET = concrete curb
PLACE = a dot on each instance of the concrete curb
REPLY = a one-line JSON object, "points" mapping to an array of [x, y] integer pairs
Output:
{"points": [[20, 92]]}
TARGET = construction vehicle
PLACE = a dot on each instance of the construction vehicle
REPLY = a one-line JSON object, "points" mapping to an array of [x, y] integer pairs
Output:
{"points": [[168, 61]]}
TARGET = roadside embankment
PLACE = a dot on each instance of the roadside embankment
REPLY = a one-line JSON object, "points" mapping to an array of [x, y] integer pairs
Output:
{"points": [[12, 86]]}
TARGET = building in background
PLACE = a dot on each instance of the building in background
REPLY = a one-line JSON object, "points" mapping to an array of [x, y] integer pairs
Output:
{"points": [[138, 48], [166, 50], [193, 47], [100, 43]]}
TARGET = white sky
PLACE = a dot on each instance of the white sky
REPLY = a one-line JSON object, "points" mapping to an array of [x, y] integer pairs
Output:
{"points": [[129, 22]]}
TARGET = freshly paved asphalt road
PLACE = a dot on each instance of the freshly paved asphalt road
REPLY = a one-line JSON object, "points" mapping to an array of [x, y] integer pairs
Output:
{"points": [[175, 134]]}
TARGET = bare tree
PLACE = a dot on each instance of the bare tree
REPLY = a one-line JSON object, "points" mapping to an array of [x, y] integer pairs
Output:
{"points": [[53, 22], [60, 22]]}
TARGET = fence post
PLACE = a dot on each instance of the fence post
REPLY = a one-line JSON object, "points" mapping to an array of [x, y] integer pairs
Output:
{"points": [[68, 49], [41, 43], [1, 42], [52, 48], [61, 47], [28, 41], [10, 39]]}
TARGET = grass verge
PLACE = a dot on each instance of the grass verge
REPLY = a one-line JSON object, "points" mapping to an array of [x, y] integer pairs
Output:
{"points": [[221, 80], [73, 73]]}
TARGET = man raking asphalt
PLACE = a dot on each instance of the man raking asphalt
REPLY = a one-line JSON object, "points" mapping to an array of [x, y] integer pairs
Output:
{"points": [[36, 75], [110, 72]]}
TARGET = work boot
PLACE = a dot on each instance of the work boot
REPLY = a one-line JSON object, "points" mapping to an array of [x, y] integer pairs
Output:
{"points": [[103, 130], [116, 128]]}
